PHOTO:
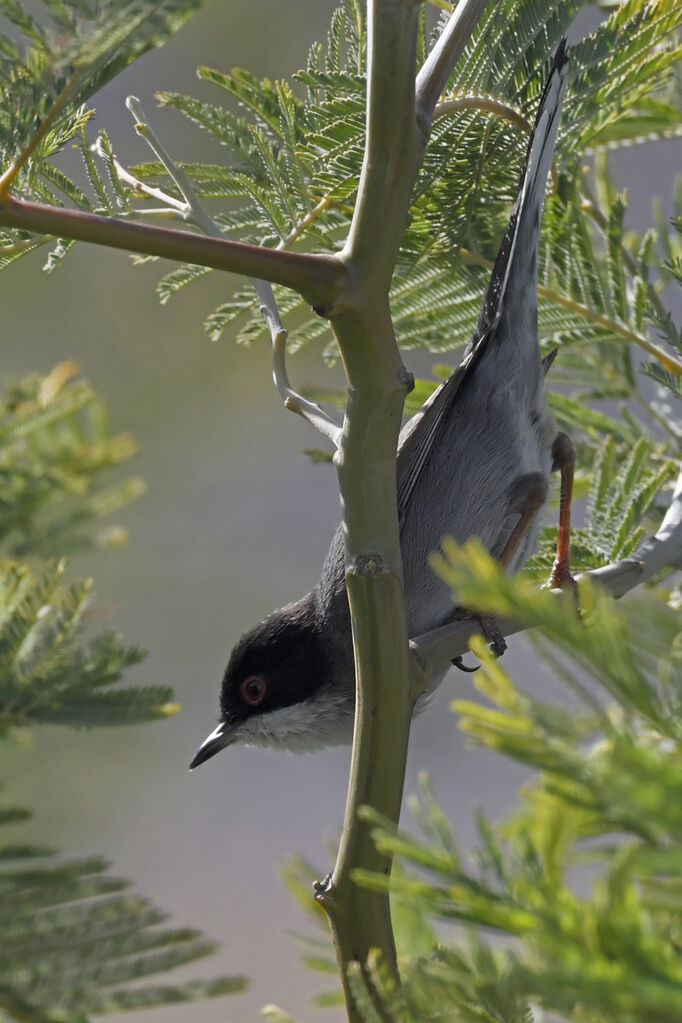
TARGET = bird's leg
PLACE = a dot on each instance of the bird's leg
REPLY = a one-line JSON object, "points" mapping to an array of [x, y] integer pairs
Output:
{"points": [[563, 454], [528, 495]]}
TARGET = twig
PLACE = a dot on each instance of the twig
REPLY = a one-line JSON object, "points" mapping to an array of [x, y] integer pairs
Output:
{"points": [[141, 186], [318, 277], [194, 210], [439, 65], [316, 416], [18, 248], [492, 106], [305, 223], [488, 103], [433, 651], [196, 213]]}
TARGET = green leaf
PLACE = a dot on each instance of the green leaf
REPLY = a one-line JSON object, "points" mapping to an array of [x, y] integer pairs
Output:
{"points": [[72, 934]]}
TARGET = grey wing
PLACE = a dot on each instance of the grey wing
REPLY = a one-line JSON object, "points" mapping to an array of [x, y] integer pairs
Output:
{"points": [[419, 435], [487, 426], [442, 487], [508, 321]]}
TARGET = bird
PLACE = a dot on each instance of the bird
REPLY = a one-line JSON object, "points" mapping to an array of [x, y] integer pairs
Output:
{"points": [[476, 460]]}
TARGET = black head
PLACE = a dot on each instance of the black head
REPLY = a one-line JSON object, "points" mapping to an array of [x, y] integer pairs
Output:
{"points": [[273, 691]]}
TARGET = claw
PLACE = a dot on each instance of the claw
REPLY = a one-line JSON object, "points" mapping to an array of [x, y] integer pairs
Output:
{"points": [[459, 663]]}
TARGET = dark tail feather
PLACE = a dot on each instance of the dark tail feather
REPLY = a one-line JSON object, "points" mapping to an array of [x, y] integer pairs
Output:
{"points": [[517, 259], [548, 360]]}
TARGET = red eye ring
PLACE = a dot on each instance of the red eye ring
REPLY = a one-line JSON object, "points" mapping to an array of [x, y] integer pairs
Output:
{"points": [[254, 689]]}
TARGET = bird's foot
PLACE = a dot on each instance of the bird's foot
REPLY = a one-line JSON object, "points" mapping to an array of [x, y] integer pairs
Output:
{"points": [[493, 634], [560, 577]]}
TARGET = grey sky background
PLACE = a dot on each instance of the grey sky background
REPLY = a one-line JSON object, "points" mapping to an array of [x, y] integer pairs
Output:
{"points": [[235, 523]]}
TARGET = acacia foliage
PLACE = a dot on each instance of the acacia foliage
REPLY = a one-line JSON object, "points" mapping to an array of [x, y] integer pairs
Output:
{"points": [[74, 940]]}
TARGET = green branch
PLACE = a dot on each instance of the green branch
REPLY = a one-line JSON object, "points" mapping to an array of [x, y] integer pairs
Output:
{"points": [[366, 463], [317, 277], [439, 65], [378, 383]]}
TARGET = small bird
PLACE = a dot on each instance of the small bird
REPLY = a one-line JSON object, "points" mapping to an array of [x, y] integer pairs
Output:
{"points": [[475, 461]]}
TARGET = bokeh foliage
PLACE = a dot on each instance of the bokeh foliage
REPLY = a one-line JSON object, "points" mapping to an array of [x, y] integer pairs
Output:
{"points": [[73, 940]]}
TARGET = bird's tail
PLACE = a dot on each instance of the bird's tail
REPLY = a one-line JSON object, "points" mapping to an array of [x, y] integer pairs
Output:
{"points": [[517, 257]]}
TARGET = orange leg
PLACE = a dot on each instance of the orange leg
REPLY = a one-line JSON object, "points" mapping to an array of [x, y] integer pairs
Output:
{"points": [[563, 453]]}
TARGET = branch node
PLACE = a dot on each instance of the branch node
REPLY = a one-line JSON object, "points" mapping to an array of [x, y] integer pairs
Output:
{"points": [[321, 886], [424, 120], [325, 891], [407, 379], [368, 565]]}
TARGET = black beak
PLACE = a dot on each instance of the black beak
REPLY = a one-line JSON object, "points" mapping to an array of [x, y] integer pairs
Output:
{"points": [[218, 739]]}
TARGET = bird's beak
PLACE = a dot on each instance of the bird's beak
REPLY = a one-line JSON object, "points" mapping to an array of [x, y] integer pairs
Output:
{"points": [[219, 738]]}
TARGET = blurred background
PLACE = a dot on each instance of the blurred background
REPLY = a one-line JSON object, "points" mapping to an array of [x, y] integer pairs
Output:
{"points": [[236, 521]]}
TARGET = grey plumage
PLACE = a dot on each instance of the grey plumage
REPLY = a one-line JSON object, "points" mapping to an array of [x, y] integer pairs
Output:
{"points": [[461, 462], [488, 423]]}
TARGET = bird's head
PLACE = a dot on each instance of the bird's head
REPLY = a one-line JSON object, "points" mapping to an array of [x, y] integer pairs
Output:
{"points": [[280, 688]]}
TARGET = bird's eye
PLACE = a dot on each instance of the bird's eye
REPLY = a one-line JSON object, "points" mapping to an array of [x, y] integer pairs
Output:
{"points": [[253, 690]]}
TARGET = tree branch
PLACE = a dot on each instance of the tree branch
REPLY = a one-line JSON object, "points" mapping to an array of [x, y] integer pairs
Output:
{"points": [[295, 402], [440, 63], [434, 651], [319, 278], [366, 464], [392, 153], [361, 319]]}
